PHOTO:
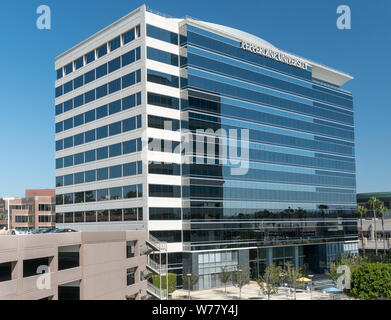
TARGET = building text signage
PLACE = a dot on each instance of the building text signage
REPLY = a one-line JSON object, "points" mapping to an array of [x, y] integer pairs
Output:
{"points": [[269, 53]]}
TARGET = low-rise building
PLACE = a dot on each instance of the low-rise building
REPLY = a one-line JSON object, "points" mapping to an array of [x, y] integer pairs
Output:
{"points": [[369, 225], [85, 265], [384, 197], [36, 210]]}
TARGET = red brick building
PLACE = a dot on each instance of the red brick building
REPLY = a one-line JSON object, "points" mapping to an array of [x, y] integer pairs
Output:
{"points": [[35, 210]]}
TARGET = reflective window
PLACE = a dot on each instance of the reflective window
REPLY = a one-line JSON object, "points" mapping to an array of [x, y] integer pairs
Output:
{"points": [[59, 73], [115, 43], [102, 132], [161, 34], [77, 101], [78, 120], [90, 57], [78, 139], [89, 116], [163, 101], [129, 169], [78, 82], [130, 191], [116, 194], [101, 51], [114, 85], [115, 172], [79, 178], [101, 71], [78, 158], [68, 161], [89, 136], [162, 56], [89, 96], [102, 153], [101, 112], [114, 64], [89, 156], [102, 174], [102, 194], [68, 68], [101, 91], [115, 128], [79, 63], [90, 176], [89, 76], [115, 150], [128, 36], [115, 107]]}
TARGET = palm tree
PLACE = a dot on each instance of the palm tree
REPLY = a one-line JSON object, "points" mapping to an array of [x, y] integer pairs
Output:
{"points": [[374, 203], [381, 209], [322, 208], [362, 211]]}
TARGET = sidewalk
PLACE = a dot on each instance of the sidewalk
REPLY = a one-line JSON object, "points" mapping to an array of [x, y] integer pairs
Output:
{"points": [[252, 292]]}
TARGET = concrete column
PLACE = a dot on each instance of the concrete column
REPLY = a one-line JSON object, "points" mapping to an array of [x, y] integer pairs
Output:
{"points": [[269, 258], [296, 256]]}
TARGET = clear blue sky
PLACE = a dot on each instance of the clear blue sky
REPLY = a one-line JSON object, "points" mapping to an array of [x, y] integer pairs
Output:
{"points": [[305, 27]]}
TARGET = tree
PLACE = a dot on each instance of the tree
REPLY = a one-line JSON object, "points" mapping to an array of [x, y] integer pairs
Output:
{"points": [[291, 275], [381, 209], [305, 270], [322, 208], [371, 281], [270, 280], [3, 217], [241, 277], [374, 203], [225, 276], [189, 280], [362, 211]]}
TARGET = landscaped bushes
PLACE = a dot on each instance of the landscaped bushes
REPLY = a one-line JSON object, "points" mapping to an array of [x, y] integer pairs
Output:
{"points": [[371, 281], [171, 282]]}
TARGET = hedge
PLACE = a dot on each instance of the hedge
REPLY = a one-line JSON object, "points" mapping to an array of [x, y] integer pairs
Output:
{"points": [[171, 282], [371, 281]]}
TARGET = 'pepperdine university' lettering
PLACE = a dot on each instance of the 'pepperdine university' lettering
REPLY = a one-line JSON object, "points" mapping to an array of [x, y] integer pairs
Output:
{"points": [[278, 56]]}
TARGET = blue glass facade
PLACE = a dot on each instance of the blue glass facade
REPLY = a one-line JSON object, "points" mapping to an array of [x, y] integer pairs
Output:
{"points": [[300, 185]]}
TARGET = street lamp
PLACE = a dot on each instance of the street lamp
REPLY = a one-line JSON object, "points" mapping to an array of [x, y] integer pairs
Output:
{"points": [[311, 284]]}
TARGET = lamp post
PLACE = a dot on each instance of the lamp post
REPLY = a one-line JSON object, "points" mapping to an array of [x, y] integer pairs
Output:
{"points": [[188, 283], [311, 284], [240, 289]]}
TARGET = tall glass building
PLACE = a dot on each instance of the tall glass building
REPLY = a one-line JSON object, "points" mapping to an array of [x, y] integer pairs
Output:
{"points": [[233, 151]]}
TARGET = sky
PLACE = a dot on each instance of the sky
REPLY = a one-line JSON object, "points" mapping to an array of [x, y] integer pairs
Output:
{"points": [[304, 27]]}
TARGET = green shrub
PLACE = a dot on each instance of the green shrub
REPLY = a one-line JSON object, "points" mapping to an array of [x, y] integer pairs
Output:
{"points": [[171, 282], [371, 281]]}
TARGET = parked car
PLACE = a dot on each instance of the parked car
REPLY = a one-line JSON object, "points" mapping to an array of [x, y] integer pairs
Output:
{"points": [[15, 231], [63, 230], [44, 230]]}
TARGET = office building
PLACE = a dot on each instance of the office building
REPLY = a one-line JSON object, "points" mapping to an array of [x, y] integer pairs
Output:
{"points": [[233, 151], [36, 210]]}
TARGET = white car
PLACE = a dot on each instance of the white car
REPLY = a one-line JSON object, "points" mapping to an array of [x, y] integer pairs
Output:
{"points": [[15, 231]]}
